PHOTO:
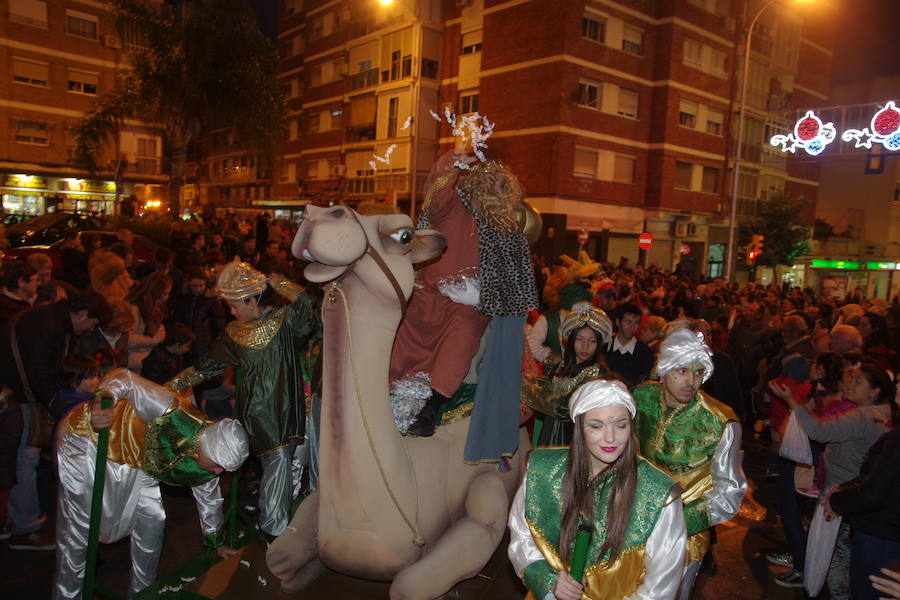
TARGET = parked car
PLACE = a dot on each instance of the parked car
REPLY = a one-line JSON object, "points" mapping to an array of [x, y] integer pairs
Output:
{"points": [[144, 249], [49, 228], [10, 219]]}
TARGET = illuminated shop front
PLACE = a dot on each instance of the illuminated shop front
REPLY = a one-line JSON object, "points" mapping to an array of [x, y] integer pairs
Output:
{"points": [[28, 194], [837, 278]]}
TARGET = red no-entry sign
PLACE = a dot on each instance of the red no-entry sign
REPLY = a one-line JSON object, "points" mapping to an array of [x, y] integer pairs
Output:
{"points": [[685, 249], [645, 240]]}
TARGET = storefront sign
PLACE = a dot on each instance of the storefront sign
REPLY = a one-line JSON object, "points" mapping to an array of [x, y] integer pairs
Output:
{"points": [[25, 181], [87, 185], [881, 266], [835, 264]]}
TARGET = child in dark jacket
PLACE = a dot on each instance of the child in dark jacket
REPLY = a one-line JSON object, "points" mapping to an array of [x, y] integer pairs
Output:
{"points": [[166, 360], [80, 374]]}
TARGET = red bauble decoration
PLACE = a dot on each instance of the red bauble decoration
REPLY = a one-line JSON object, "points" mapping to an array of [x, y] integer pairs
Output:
{"points": [[886, 121], [807, 129]]}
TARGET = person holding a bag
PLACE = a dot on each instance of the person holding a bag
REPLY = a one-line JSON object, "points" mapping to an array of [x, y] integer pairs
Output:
{"points": [[871, 502], [30, 364], [849, 437]]}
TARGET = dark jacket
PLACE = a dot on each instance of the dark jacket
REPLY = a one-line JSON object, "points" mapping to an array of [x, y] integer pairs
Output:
{"points": [[633, 368], [10, 435], [44, 335], [10, 307], [75, 267], [724, 384], [872, 501], [161, 365], [203, 315]]}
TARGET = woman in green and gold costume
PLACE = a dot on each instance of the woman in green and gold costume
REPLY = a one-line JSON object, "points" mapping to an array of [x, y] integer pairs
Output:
{"points": [[586, 333], [637, 547]]}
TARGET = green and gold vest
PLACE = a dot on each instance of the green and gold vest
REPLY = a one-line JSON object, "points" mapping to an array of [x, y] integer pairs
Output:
{"points": [[170, 448], [543, 512], [681, 441]]}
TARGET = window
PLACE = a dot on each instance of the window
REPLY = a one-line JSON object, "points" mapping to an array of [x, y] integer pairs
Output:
{"points": [[334, 167], [292, 130], [710, 180], [407, 65], [146, 157], [589, 93], [395, 65], [633, 40], [315, 75], [33, 133], [318, 28], [471, 42], [593, 29], [313, 122], [468, 102], [429, 68], [628, 103], [312, 169], [714, 119], [683, 175], [687, 114], [585, 163], [393, 108], [31, 72], [83, 82], [693, 54], [624, 169], [29, 12], [337, 68], [718, 63], [81, 24]]}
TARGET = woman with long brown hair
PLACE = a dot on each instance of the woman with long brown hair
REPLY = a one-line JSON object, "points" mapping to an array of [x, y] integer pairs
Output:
{"points": [[149, 300], [637, 546]]}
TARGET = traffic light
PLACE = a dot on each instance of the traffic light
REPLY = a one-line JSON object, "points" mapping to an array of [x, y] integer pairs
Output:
{"points": [[755, 248]]}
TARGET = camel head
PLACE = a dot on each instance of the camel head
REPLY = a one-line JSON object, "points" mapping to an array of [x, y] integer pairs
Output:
{"points": [[337, 239]]}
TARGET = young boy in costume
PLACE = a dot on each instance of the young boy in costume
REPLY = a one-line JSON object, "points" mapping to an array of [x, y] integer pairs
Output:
{"points": [[693, 437], [154, 436], [266, 341]]}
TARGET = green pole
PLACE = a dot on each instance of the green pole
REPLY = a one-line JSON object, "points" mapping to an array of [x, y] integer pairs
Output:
{"points": [[96, 500], [579, 554]]}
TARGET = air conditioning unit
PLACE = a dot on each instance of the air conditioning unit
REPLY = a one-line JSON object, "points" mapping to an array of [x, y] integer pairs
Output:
{"points": [[112, 41]]}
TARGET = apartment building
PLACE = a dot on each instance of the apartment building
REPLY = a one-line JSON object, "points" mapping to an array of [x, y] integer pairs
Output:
{"points": [[58, 57], [616, 116]]}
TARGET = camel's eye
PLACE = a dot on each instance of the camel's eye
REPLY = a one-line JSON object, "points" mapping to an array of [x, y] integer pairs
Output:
{"points": [[403, 236]]}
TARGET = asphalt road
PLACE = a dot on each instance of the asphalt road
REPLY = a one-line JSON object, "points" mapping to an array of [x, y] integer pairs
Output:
{"points": [[739, 571]]}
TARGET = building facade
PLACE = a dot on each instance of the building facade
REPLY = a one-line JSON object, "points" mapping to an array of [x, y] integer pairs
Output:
{"points": [[59, 56], [616, 116]]}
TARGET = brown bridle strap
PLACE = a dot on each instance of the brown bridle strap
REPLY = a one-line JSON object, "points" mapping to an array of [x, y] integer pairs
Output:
{"points": [[381, 265]]}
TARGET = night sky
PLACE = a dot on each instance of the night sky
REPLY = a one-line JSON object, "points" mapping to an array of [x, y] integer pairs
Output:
{"points": [[868, 40]]}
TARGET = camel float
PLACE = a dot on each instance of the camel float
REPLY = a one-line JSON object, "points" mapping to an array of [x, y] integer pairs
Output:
{"points": [[388, 507]]}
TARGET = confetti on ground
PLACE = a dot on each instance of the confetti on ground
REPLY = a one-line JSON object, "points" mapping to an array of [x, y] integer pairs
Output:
{"points": [[188, 579], [260, 579], [170, 589], [246, 563], [249, 508]]}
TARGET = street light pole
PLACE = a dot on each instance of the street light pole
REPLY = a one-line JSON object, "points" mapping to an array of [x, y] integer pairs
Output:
{"points": [[732, 223]]}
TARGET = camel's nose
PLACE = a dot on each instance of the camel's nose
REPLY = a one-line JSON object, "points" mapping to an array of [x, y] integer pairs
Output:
{"points": [[314, 213]]}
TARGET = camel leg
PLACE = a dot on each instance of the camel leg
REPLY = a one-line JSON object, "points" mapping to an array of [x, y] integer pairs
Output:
{"points": [[464, 548], [293, 556]]}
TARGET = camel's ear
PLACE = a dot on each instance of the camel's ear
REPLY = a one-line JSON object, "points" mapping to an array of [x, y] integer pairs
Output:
{"points": [[427, 244]]}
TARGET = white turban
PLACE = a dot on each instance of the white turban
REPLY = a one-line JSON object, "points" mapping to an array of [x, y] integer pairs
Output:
{"points": [[681, 349], [225, 443], [599, 393]]}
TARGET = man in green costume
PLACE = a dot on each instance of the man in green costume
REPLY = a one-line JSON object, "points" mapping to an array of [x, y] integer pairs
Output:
{"points": [[266, 341], [154, 436], [693, 437]]}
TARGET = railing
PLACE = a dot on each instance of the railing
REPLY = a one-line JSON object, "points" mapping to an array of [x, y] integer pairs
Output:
{"points": [[364, 79], [146, 166], [361, 133]]}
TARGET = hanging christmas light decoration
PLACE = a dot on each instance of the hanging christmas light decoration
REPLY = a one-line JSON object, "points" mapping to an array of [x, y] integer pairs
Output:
{"points": [[885, 130], [810, 134]]}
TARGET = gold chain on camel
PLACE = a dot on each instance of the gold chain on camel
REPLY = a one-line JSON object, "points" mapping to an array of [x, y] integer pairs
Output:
{"points": [[418, 540]]}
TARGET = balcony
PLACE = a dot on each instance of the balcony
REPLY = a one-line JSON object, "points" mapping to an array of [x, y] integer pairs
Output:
{"points": [[363, 79], [361, 133], [146, 165]]}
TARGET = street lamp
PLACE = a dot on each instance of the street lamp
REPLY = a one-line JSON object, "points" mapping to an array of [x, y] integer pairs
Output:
{"points": [[732, 224]]}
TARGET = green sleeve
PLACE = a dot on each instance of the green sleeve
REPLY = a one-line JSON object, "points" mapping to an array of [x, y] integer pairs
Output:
{"points": [[540, 578], [302, 316], [696, 516]]}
